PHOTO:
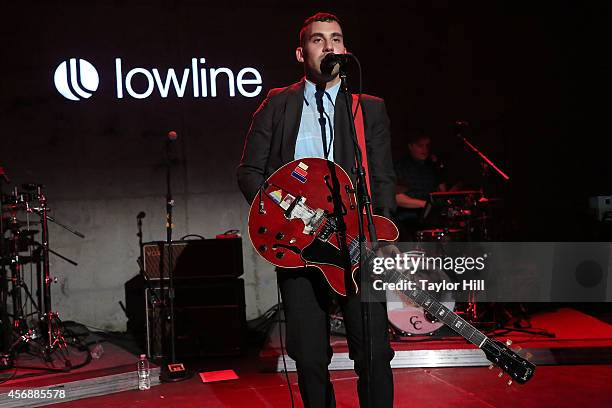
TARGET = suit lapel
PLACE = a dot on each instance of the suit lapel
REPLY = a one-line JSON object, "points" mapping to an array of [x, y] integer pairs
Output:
{"points": [[292, 119]]}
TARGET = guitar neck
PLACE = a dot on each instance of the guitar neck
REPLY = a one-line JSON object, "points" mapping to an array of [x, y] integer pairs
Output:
{"points": [[442, 313]]}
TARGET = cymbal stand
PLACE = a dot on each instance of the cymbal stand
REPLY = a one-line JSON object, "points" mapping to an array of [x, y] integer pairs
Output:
{"points": [[487, 165], [50, 319], [51, 325]]}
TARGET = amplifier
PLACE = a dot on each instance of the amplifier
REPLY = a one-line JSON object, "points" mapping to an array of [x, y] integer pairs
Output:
{"points": [[210, 319], [205, 258]]}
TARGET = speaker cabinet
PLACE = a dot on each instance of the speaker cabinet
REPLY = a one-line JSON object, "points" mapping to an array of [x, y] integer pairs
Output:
{"points": [[210, 319], [209, 305]]}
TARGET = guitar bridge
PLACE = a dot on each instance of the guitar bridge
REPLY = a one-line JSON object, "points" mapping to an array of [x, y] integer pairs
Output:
{"points": [[297, 209]]}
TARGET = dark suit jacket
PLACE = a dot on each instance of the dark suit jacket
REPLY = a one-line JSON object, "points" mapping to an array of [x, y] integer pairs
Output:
{"points": [[270, 143]]}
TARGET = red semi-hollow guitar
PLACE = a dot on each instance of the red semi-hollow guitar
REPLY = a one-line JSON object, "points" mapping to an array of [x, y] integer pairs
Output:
{"points": [[300, 214]]}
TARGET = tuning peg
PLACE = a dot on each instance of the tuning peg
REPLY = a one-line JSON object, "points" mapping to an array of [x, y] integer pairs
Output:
{"points": [[508, 342], [509, 383], [501, 374]]}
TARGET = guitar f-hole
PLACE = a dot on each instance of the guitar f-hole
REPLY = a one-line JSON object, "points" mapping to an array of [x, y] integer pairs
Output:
{"points": [[291, 248]]}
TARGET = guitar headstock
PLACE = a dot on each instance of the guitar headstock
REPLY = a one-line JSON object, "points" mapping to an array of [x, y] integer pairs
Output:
{"points": [[517, 367]]}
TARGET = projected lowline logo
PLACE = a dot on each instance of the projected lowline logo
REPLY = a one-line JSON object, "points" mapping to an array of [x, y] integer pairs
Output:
{"points": [[76, 79]]}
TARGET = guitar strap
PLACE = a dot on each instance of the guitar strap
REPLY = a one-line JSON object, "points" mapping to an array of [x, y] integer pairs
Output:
{"points": [[360, 130]]}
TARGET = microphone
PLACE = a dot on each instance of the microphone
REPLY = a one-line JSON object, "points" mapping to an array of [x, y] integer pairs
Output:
{"points": [[172, 135], [331, 60]]}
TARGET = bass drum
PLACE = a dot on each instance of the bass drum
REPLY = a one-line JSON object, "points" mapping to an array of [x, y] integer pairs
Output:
{"points": [[410, 319]]}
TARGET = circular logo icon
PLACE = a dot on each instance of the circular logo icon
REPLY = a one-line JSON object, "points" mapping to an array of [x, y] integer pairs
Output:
{"points": [[76, 79]]}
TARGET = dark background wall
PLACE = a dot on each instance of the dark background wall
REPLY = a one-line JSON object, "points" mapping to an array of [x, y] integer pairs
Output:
{"points": [[530, 79]]}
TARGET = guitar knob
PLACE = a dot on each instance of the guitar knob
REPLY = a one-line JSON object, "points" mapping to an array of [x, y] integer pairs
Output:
{"points": [[491, 366], [501, 374], [292, 241], [508, 342], [262, 230], [509, 383]]}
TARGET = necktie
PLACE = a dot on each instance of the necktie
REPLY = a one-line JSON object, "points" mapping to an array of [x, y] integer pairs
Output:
{"points": [[322, 121]]}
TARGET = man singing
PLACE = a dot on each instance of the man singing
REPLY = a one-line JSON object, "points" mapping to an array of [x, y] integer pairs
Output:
{"points": [[309, 119]]}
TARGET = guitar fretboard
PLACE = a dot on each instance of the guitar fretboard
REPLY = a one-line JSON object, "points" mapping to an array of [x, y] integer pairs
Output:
{"points": [[440, 312]]}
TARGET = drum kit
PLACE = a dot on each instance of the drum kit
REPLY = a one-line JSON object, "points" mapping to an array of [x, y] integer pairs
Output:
{"points": [[465, 217], [26, 309]]}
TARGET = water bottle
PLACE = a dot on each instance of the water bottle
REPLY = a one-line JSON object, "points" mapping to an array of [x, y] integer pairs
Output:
{"points": [[144, 373]]}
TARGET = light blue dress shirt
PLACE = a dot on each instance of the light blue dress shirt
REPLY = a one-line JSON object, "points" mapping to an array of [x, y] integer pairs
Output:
{"points": [[309, 141]]}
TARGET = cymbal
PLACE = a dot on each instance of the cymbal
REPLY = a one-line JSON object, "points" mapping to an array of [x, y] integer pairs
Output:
{"points": [[10, 220], [22, 260], [28, 232], [14, 224], [455, 193], [485, 200]]}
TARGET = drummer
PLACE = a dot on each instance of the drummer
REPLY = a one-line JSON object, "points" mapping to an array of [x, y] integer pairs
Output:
{"points": [[419, 173]]}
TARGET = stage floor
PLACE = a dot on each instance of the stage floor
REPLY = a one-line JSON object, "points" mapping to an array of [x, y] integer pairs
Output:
{"points": [[563, 382], [114, 371], [567, 336], [552, 386]]}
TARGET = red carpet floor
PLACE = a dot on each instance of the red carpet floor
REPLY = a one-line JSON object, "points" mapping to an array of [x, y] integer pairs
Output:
{"points": [[582, 386], [553, 386]]}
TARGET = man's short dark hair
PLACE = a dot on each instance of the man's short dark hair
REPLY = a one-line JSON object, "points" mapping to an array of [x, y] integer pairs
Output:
{"points": [[417, 136], [324, 17]]}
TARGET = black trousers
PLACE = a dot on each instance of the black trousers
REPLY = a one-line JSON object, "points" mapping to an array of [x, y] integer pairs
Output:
{"points": [[306, 300]]}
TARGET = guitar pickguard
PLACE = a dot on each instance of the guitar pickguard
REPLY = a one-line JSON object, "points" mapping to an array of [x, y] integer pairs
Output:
{"points": [[319, 252]]}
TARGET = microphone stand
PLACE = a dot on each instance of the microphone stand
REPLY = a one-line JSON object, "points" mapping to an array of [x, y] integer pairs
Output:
{"points": [[485, 160], [172, 371], [364, 202], [486, 164]]}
